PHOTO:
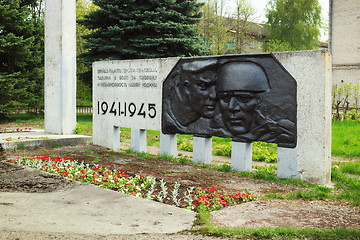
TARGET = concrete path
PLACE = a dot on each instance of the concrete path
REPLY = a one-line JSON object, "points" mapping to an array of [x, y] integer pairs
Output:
{"points": [[38, 138], [88, 209]]}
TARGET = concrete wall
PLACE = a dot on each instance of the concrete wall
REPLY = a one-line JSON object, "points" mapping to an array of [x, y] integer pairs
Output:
{"points": [[312, 71]]}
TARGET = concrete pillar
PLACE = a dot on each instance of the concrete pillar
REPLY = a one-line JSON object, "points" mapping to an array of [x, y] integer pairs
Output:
{"points": [[312, 71], [241, 156], [202, 150], [138, 140], [287, 163], [60, 66], [168, 144], [115, 138]]}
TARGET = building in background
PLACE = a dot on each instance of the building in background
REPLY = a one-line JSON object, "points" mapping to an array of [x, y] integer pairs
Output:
{"points": [[345, 41]]}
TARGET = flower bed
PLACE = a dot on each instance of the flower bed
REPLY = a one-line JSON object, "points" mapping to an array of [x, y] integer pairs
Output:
{"points": [[138, 185], [6, 130]]}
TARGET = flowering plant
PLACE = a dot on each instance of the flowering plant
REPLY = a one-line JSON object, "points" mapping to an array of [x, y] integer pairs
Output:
{"points": [[6, 130], [137, 185]]}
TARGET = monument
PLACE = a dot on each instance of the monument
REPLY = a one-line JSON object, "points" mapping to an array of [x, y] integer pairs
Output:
{"points": [[282, 98]]}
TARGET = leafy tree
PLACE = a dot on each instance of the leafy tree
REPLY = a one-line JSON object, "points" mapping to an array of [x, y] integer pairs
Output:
{"points": [[296, 22], [274, 45], [130, 29], [213, 27], [21, 55], [226, 33], [243, 25]]}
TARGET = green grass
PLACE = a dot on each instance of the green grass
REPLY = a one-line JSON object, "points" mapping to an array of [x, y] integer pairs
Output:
{"points": [[346, 138], [280, 233], [84, 124], [210, 229], [30, 119]]}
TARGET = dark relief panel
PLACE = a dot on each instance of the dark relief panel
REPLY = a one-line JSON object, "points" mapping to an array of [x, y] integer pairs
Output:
{"points": [[243, 97]]}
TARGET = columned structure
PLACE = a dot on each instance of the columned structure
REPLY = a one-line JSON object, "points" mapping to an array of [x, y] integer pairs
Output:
{"points": [[60, 66]]}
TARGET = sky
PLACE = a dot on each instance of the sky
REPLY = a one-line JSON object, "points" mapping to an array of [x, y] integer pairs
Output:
{"points": [[259, 6]]}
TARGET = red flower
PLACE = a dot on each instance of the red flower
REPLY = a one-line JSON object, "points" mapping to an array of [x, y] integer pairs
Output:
{"points": [[83, 171], [10, 160], [83, 176], [212, 189], [223, 202]]}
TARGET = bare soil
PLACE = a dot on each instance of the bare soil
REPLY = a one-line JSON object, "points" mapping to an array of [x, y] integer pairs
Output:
{"points": [[297, 213]]}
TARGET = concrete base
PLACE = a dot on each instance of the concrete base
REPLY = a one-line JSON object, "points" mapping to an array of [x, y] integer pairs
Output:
{"points": [[168, 144], [138, 140], [88, 209], [37, 138], [241, 156], [287, 165], [202, 150]]}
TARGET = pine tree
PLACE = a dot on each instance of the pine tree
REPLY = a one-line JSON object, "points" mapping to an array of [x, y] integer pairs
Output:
{"points": [[132, 29], [21, 55]]}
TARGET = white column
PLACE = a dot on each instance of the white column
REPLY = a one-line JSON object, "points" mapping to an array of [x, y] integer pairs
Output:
{"points": [[287, 163], [168, 144], [202, 150], [241, 156], [138, 140], [60, 66]]}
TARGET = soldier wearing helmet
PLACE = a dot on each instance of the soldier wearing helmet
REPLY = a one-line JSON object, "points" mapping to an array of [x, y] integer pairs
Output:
{"points": [[192, 99], [238, 88]]}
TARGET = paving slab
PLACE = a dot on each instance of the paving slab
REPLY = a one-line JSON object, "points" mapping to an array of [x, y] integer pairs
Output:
{"points": [[89, 209], [35, 138]]}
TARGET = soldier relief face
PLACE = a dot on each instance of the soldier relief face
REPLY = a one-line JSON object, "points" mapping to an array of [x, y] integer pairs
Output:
{"points": [[201, 94], [238, 88], [237, 109]]}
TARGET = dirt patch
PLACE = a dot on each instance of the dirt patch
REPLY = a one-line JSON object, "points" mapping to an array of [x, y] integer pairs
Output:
{"points": [[295, 213], [20, 179], [320, 214]]}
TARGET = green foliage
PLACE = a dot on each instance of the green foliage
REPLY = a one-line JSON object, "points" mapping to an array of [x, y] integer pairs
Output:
{"points": [[186, 145], [342, 96], [129, 29], [222, 149], [21, 55], [294, 22], [275, 45], [266, 152]]}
